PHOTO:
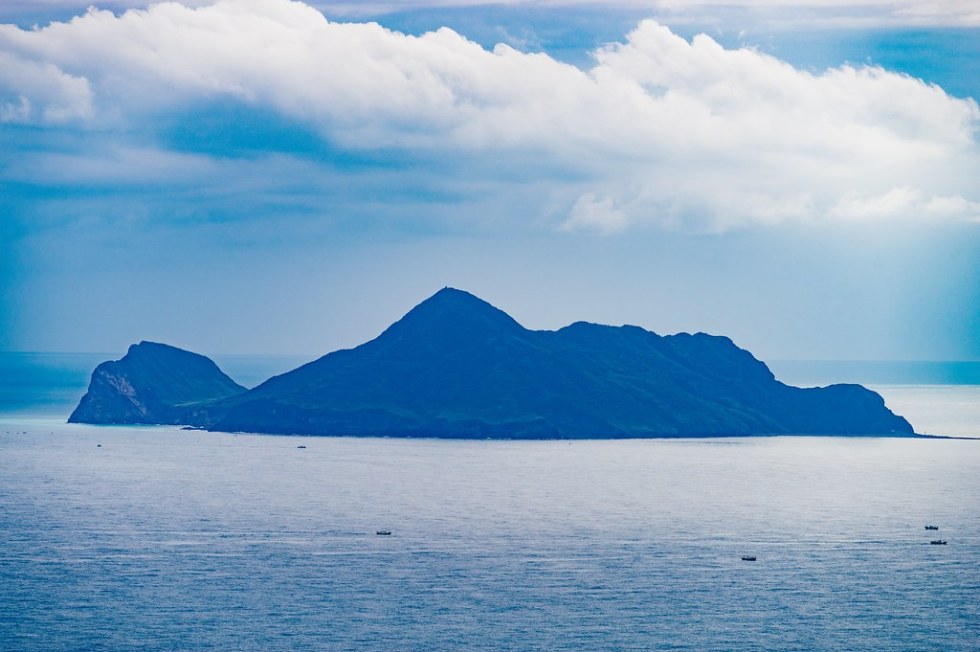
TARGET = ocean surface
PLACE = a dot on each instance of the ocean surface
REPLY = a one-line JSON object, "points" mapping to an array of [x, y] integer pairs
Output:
{"points": [[160, 539]]}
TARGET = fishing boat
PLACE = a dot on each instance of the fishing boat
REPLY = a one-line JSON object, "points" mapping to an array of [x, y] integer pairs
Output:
{"points": [[938, 542], [383, 533], [748, 557], [932, 527]]}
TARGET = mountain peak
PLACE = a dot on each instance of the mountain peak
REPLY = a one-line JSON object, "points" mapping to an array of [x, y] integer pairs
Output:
{"points": [[452, 312], [448, 293], [146, 347]]}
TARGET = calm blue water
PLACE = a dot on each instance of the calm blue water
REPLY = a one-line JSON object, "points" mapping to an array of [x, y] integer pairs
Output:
{"points": [[165, 539]]}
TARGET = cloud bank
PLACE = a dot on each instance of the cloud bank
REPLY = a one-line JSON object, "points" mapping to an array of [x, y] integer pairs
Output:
{"points": [[660, 130]]}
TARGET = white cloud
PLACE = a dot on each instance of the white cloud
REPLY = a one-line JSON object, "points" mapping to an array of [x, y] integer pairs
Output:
{"points": [[41, 92], [960, 13], [591, 213], [687, 134], [904, 201], [824, 13]]}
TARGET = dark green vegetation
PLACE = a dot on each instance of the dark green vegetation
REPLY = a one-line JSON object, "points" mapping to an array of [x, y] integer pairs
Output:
{"points": [[455, 366]]}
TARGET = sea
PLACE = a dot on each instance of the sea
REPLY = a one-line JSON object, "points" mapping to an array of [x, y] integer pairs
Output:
{"points": [[157, 538]]}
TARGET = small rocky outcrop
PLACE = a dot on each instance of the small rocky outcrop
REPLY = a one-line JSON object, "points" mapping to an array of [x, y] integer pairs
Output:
{"points": [[154, 384]]}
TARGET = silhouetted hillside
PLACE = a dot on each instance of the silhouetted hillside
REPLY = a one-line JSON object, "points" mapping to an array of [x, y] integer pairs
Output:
{"points": [[455, 366]]}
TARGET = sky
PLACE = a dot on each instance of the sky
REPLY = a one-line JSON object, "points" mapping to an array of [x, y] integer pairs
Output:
{"points": [[267, 176]]}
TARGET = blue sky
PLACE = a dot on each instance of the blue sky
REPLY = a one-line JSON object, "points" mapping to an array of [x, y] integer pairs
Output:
{"points": [[274, 177]]}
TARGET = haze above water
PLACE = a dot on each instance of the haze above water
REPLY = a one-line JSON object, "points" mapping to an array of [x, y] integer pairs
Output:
{"points": [[158, 538]]}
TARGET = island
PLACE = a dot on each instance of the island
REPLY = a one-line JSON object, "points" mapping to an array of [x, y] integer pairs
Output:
{"points": [[457, 367]]}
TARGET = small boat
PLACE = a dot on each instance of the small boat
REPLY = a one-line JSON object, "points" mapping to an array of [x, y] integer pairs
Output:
{"points": [[938, 542], [301, 447], [748, 557], [932, 527], [383, 533]]}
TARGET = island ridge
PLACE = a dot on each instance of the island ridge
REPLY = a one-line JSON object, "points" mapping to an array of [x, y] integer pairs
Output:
{"points": [[457, 367]]}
